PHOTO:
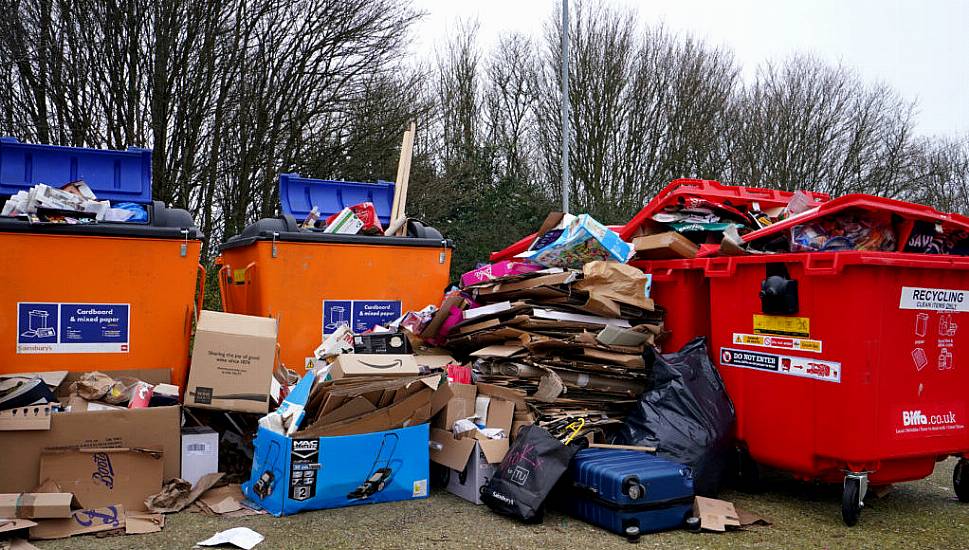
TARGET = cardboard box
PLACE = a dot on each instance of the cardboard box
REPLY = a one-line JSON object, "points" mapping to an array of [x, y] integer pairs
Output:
{"points": [[292, 475], [37, 505], [154, 427], [232, 362], [584, 240], [359, 364], [394, 343], [471, 458], [200, 452], [481, 463], [104, 477], [664, 246]]}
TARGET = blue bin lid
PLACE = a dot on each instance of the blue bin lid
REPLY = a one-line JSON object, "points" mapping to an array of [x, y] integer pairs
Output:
{"points": [[298, 195], [112, 175]]}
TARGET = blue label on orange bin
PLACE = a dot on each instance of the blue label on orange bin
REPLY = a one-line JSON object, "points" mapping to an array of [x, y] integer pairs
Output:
{"points": [[46, 327], [359, 315]]}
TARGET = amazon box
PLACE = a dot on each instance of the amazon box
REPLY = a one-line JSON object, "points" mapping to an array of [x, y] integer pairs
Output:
{"points": [[360, 364], [232, 363]]}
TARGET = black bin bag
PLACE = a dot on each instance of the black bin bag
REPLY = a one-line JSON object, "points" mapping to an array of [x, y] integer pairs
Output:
{"points": [[527, 475], [687, 416]]}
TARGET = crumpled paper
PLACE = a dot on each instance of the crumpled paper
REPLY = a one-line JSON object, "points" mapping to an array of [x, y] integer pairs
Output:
{"points": [[176, 494]]}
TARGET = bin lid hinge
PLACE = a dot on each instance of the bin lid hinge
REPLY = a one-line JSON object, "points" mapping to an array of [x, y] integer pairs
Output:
{"points": [[184, 246], [275, 251]]}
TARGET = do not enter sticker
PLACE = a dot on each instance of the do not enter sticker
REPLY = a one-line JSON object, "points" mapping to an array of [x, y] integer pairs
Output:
{"points": [[804, 367]]}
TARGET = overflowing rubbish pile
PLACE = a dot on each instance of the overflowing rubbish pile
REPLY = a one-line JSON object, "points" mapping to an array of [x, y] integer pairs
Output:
{"points": [[571, 340], [73, 203]]}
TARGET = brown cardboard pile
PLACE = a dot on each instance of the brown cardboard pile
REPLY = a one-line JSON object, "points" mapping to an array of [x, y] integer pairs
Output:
{"points": [[571, 341], [364, 404]]}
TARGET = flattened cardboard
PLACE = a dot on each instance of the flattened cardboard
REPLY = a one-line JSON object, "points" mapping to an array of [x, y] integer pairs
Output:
{"points": [[664, 246], [101, 477], [503, 351], [141, 523], [358, 364], [154, 427], [16, 524], [715, 515], [39, 505], [232, 362], [81, 522]]}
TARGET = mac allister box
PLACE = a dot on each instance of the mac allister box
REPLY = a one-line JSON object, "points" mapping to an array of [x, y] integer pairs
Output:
{"points": [[293, 474]]}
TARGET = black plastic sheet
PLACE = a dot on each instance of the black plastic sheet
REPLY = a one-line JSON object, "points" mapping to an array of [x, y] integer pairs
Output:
{"points": [[687, 416]]}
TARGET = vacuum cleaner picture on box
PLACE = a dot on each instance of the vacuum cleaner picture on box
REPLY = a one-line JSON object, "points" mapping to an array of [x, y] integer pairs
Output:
{"points": [[379, 477]]}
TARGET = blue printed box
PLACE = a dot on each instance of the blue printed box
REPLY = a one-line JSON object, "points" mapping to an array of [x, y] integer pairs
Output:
{"points": [[584, 240], [292, 475]]}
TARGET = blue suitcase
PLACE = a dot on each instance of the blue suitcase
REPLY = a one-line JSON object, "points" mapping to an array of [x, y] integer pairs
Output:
{"points": [[627, 492]]}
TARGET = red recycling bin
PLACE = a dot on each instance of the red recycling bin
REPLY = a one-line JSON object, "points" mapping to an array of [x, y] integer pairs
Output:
{"points": [[848, 366]]}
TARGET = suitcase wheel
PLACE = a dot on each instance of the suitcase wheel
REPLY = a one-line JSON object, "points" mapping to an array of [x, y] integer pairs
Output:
{"points": [[632, 534]]}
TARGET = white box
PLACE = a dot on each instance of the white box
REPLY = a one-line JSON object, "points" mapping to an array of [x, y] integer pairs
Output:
{"points": [[200, 452]]}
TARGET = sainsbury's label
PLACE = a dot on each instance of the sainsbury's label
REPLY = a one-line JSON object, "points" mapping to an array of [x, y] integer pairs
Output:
{"points": [[935, 299], [790, 365], [53, 327], [777, 342]]}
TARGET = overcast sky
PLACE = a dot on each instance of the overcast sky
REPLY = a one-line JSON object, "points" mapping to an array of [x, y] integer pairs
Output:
{"points": [[920, 47]]}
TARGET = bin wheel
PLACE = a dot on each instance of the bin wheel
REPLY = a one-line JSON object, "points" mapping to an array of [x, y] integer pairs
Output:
{"points": [[748, 473], [850, 501], [960, 480]]}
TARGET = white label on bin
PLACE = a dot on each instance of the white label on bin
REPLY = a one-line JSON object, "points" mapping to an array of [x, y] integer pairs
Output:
{"points": [[936, 299], [803, 367], [359, 315], [777, 342], [51, 327]]}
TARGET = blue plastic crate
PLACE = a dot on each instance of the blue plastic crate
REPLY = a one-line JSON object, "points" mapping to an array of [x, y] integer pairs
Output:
{"points": [[298, 195], [112, 175]]}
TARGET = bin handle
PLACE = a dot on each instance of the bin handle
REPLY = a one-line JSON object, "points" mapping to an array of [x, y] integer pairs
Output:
{"points": [[720, 267], [223, 279], [824, 263], [246, 279], [201, 297]]}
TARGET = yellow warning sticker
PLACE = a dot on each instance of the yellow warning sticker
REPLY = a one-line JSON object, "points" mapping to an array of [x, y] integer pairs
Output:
{"points": [[782, 326], [777, 342]]}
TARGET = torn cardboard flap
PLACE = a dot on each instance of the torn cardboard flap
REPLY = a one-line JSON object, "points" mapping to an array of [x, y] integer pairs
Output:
{"points": [[33, 417], [454, 452], [16, 524], [715, 515], [498, 351], [140, 523]]}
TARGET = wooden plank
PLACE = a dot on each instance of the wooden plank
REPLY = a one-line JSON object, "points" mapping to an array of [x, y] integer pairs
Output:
{"points": [[403, 175], [403, 182]]}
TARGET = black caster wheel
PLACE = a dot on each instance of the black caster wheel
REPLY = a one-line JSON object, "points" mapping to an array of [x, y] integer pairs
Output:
{"points": [[693, 524], [850, 503], [960, 480], [632, 534]]}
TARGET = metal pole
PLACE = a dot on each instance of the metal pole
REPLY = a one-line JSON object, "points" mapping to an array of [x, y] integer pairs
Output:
{"points": [[566, 129]]}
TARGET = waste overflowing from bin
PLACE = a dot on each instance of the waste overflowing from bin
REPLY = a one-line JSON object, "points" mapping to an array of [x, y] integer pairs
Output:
{"points": [[73, 203]]}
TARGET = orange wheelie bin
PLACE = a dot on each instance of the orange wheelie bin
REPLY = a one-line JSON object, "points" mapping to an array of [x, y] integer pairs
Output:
{"points": [[312, 282], [94, 296], [849, 366]]}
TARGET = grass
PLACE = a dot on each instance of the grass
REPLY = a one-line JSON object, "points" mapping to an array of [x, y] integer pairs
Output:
{"points": [[922, 514]]}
